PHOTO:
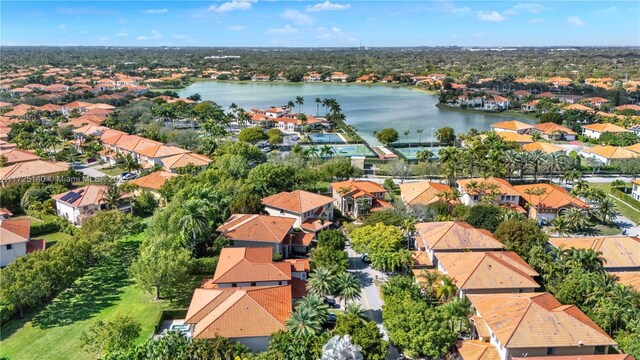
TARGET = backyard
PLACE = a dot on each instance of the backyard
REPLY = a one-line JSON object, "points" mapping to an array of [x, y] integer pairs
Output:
{"points": [[625, 210], [104, 292]]}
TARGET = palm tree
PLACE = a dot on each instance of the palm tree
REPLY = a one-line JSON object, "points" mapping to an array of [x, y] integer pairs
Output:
{"points": [[130, 163], [303, 323], [535, 161], [446, 289], [419, 131], [449, 159], [522, 160], [424, 155], [313, 151], [458, 309], [348, 287], [291, 104], [555, 162], [112, 196], [430, 280], [321, 282], [299, 101], [559, 226], [315, 303], [510, 162], [579, 187], [356, 310], [326, 151], [571, 175], [575, 218], [195, 219], [318, 102], [606, 209]]}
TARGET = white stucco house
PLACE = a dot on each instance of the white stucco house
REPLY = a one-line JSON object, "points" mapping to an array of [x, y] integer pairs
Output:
{"points": [[312, 212], [15, 240], [76, 205]]}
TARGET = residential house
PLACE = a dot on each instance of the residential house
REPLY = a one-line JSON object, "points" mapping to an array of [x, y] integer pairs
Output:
{"points": [[14, 156], [496, 102], [570, 99], [512, 126], [635, 190], [243, 267], [595, 130], [250, 230], [153, 183], [150, 156], [596, 102], [578, 107], [547, 201], [173, 163], [291, 123], [473, 190], [530, 106], [312, 77], [520, 94], [608, 154], [476, 350], [425, 193], [520, 139], [5, 213], [260, 77], [535, 324], [452, 236], [339, 77], [31, 171], [247, 315], [620, 253], [15, 240], [488, 272], [312, 212], [81, 203], [19, 92], [355, 198], [553, 131], [545, 147]]}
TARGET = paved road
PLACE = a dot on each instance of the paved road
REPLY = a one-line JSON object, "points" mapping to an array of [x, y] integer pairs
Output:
{"points": [[370, 296], [92, 171]]}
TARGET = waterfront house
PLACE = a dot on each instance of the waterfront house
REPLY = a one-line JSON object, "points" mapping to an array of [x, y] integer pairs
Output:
{"points": [[535, 324], [553, 131], [355, 198], [250, 230], [546, 201], [513, 126], [15, 240], [530, 106], [496, 102], [81, 203], [339, 76], [452, 236], [595, 130], [473, 190], [312, 212]]}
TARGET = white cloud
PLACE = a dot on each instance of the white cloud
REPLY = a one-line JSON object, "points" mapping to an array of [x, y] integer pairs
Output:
{"points": [[297, 17], [490, 16], [156, 11], [287, 29], [237, 28], [231, 6], [333, 32], [122, 34], [575, 21], [536, 21], [531, 8], [153, 35], [328, 6]]}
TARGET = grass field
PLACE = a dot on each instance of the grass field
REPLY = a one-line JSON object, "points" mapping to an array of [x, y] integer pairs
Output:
{"points": [[113, 171], [625, 210], [103, 293], [53, 238]]}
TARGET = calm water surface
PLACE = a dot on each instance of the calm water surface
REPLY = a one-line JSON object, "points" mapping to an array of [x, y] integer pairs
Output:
{"points": [[367, 107]]}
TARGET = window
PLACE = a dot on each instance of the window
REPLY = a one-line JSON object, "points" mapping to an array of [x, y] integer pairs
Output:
{"points": [[551, 351], [253, 284], [234, 285], [600, 350], [9, 247]]}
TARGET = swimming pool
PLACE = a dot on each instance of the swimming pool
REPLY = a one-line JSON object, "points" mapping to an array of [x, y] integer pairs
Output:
{"points": [[409, 153], [319, 138], [344, 150]]}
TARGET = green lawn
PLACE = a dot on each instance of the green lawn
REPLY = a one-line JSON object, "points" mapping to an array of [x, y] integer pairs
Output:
{"points": [[27, 217], [113, 171], [625, 210], [53, 238], [103, 293]]}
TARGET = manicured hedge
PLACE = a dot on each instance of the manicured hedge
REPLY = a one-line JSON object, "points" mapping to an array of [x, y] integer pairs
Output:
{"points": [[203, 266], [39, 228], [626, 198]]}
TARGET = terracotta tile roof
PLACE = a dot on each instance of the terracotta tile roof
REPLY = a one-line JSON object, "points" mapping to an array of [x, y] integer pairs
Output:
{"points": [[611, 152], [354, 186], [17, 156], [515, 137], [544, 147], [13, 231], [635, 148], [421, 259], [76, 105], [554, 197], [422, 192], [153, 181], [502, 185], [299, 265], [5, 212], [84, 120], [477, 350], [160, 150], [36, 245], [511, 125], [532, 320], [31, 169], [50, 107], [315, 225], [241, 265], [298, 201], [83, 196], [628, 107], [550, 128], [488, 270], [260, 228], [239, 312], [618, 251], [629, 278], [579, 107], [19, 110], [4, 104], [578, 357], [302, 238], [298, 288], [605, 127], [182, 160], [455, 235]]}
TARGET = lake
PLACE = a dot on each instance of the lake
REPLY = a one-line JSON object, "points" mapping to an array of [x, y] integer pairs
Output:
{"points": [[367, 107]]}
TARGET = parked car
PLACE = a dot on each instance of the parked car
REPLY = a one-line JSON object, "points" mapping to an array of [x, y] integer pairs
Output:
{"points": [[331, 302], [330, 322], [127, 176], [365, 258]]}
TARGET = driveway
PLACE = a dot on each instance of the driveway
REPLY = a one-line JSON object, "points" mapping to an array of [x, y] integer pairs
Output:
{"points": [[91, 171]]}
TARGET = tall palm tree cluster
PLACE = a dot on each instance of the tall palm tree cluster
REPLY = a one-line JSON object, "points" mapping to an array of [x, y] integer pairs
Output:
{"points": [[199, 214], [345, 286]]}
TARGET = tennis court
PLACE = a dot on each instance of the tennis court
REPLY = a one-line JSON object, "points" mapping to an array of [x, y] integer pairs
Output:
{"points": [[326, 138], [409, 153]]}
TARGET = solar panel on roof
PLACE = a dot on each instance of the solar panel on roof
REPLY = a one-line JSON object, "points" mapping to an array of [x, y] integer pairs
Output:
{"points": [[80, 191], [66, 196]]}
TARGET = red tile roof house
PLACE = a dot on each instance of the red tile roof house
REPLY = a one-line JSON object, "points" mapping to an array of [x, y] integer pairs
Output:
{"points": [[553, 131], [312, 212], [81, 203], [15, 240], [496, 102], [352, 196], [250, 230]]}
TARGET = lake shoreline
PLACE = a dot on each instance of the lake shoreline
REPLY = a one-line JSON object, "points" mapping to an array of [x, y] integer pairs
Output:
{"points": [[507, 113]]}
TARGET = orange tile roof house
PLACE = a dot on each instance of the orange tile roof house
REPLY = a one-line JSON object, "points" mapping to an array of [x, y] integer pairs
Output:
{"points": [[518, 138], [250, 230], [453, 236], [595, 130], [78, 204], [248, 315], [31, 171], [241, 267], [488, 272], [153, 181], [354, 197], [535, 324], [545, 147], [608, 154], [553, 131], [477, 350], [628, 278], [472, 191], [14, 156], [551, 201], [424, 193], [312, 212], [175, 162], [621, 253], [15, 240], [513, 126]]}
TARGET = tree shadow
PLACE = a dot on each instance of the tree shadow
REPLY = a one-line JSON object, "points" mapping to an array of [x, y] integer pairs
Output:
{"points": [[365, 278], [100, 288]]}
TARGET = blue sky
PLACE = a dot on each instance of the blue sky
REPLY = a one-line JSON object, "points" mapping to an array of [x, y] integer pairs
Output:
{"points": [[320, 23]]}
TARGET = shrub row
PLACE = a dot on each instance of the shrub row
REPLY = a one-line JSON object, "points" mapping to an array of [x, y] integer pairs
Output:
{"points": [[626, 198], [39, 228]]}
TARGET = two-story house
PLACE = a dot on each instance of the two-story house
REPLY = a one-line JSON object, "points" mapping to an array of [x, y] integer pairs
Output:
{"points": [[513, 126], [250, 230], [501, 192], [312, 212], [355, 198], [81, 203], [15, 240]]}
